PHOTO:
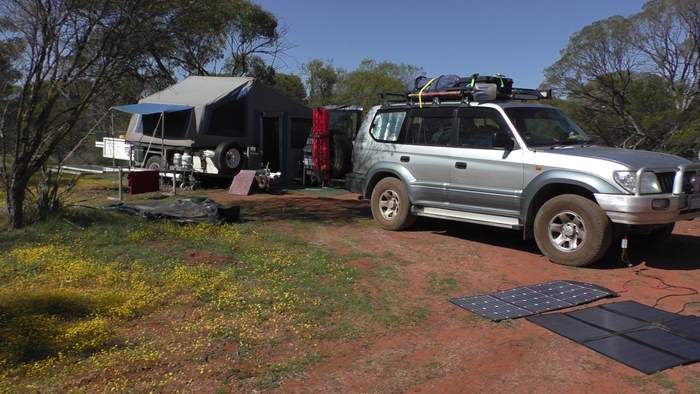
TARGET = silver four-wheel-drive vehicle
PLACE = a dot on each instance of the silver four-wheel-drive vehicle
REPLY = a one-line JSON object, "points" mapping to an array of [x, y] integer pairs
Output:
{"points": [[521, 165]]}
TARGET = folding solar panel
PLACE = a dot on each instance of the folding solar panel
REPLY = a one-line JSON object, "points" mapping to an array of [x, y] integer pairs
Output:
{"points": [[531, 300], [688, 326], [634, 354], [642, 337]]}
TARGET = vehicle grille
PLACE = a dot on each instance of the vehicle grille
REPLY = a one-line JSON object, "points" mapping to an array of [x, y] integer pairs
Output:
{"points": [[666, 181]]}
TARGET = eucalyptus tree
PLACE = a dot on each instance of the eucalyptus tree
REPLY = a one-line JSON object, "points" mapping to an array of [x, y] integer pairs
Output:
{"points": [[635, 79]]}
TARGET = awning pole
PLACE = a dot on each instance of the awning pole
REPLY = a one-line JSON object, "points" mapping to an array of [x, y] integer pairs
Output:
{"points": [[163, 160], [150, 141], [114, 161]]}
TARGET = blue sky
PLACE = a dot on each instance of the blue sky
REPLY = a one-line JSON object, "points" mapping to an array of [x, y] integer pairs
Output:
{"points": [[516, 38]]}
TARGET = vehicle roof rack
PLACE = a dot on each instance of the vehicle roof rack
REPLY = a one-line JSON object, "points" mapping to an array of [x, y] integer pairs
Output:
{"points": [[463, 95]]}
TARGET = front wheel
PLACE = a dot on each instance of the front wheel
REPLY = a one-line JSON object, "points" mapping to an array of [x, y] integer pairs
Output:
{"points": [[572, 230], [391, 207]]}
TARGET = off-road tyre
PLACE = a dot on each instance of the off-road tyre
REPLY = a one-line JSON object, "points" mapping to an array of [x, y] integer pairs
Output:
{"points": [[390, 194], [595, 224], [221, 158]]}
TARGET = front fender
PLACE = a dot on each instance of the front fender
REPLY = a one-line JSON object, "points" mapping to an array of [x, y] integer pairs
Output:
{"points": [[587, 181], [380, 170]]}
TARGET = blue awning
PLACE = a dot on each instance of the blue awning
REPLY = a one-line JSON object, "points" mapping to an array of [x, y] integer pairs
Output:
{"points": [[151, 108]]}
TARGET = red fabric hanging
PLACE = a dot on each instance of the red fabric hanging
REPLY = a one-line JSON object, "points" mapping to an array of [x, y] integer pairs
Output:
{"points": [[321, 145]]}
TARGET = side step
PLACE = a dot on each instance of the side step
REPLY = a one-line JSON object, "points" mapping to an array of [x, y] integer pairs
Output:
{"points": [[470, 217]]}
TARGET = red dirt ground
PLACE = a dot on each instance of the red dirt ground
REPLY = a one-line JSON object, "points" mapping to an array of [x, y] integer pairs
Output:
{"points": [[452, 350]]}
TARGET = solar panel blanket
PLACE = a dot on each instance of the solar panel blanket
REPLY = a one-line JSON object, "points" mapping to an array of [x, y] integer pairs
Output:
{"points": [[532, 300], [639, 336]]}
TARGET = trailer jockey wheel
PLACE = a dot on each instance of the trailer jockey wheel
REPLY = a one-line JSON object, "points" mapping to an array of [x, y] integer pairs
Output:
{"points": [[228, 158], [154, 162]]}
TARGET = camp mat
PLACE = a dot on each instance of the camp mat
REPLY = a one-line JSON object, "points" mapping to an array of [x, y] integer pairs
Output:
{"points": [[639, 336], [531, 300]]}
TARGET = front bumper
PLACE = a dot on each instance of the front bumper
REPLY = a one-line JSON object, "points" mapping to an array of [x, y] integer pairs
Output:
{"points": [[639, 209], [680, 202]]}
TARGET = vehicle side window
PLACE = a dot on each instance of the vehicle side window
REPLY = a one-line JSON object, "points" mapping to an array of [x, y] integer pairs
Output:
{"points": [[543, 128], [386, 126], [429, 127], [477, 127]]}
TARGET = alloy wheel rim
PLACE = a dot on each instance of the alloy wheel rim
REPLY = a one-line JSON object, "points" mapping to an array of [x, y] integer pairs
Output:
{"points": [[389, 204], [567, 231]]}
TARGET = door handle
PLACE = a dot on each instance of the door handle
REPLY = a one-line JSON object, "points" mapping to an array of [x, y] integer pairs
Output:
{"points": [[461, 165], [405, 159]]}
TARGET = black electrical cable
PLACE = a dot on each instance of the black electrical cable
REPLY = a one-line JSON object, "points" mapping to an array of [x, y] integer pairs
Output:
{"points": [[663, 285], [667, 286]]}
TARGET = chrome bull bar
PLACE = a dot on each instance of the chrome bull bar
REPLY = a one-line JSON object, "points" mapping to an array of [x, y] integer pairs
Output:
{"points": [[677, 180]]}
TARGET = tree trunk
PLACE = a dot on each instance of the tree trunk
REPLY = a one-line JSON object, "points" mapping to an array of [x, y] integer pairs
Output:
{"points": [[15, 204]]}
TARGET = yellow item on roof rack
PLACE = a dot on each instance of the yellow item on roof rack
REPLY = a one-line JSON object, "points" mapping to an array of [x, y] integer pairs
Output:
{"points": [[420, 92]]}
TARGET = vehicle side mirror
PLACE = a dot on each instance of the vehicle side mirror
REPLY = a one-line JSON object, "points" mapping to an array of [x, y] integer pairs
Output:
{"points": [[503, 140]]}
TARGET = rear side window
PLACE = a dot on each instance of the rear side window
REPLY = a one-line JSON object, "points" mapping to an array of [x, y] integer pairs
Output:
{"points": [[477, 127], [430, 127], [386, 126]]}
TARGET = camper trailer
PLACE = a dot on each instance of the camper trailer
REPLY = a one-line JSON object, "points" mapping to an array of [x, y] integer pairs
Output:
{"points": [[215, 125]]}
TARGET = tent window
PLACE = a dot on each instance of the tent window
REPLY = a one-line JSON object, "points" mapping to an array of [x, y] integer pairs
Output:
{"points": [[300, 130], [228, 119], [176, 124]]}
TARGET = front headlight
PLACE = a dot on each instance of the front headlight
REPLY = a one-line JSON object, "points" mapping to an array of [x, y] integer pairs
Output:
{"points": [[628, 181]]}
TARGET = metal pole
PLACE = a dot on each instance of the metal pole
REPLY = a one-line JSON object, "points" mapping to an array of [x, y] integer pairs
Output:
{"points": [[163, 159], [174, 182], [114, 162], [120, 183]]}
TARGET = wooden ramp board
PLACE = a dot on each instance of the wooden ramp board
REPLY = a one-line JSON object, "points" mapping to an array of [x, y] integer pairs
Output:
{"points": [[242, 183]]}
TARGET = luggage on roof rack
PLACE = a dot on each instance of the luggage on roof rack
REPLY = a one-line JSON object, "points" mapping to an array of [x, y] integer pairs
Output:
{"points": [[479, 88], [487, 86]]}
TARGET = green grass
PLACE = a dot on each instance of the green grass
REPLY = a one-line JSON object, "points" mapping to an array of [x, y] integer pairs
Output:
{"points": [[441, 284], [122, 299]]}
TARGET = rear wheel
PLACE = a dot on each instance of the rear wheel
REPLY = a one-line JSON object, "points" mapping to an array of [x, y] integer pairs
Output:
{"points": [[572, 230], [391, 207]]}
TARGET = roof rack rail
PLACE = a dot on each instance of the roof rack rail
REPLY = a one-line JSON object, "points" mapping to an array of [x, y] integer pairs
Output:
{"points": [[461, 95], [392, 98]]}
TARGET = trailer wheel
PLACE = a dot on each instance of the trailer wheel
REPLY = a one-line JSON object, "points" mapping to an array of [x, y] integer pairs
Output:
{"points": [[228, 158], [154, 162]]}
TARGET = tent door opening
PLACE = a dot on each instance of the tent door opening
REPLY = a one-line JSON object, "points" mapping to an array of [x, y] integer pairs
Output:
{"points": [[271, 132]]}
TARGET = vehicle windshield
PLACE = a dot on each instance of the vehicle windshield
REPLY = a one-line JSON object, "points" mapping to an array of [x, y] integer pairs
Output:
{"points": [[546, 127]]}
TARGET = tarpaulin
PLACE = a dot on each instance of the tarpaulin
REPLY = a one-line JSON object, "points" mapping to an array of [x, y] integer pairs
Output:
{"points": [[184, 210]]}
